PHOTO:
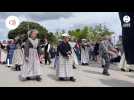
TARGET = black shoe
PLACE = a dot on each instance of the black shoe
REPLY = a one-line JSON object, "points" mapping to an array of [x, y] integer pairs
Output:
{"points": [[62, 79], [123, 70], [106, 73], [74, 67], [4, 62], [72, 79], [38, 78], [102, 66], [83, 64], [9, 66], [28, 78], [18, 68]]}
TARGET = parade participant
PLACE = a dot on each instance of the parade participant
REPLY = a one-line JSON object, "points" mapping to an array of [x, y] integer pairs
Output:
{"points": [[119, 45], [52, 51], [3, 54], [65, 69], [31, 69], [75, 60], [117, 57], [96, 52], [123, 64], [105, 50], [91, 52], [10, 49], [46, 47], [84, 53], [18, 56], [56, 62], [127, 23], [0, 52], [77, 51]]}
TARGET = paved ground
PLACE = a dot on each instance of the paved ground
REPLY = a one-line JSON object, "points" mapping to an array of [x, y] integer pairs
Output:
{"points": [[87, 76]]}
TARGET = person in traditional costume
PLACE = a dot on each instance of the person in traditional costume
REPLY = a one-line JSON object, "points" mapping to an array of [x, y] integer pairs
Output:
{"points": [[10, 49], [0, 52], [56, 61], [52, 51], [31, 69], [105, 51], [117, 57], [65, 69], [96, 51], [3, 54], [75, 60], [77, 51], [124, 66], [91, 52], [18, 56], [46, 45], [128, 36], [84, 53]]}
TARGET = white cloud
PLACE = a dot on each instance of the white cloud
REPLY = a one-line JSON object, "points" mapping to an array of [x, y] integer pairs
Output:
{"points": [[55, 21]]}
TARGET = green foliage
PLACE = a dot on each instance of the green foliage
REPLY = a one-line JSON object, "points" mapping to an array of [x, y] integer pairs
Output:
{"points": [[24, 27], [87, 32], [90, 33]]}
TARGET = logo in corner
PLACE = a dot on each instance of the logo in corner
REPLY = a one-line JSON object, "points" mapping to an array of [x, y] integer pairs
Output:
{"points": [[12, 22], [126, 19]]}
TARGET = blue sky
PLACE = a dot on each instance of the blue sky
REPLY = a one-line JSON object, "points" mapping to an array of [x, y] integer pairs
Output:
{"points": [[57, 21]]}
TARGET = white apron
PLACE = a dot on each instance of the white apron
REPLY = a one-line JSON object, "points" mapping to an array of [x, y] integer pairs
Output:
{"points": [[75, 58], [84, 55], [3, 55], [18, 57], [32, 67], [65, 68]]}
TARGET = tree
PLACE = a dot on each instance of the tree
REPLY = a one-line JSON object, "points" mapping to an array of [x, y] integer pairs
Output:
{"points": [[79, 33], [24, 27], [52, 38], [90, 33]]}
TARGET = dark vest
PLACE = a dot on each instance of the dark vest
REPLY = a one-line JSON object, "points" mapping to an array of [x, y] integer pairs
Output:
{"points": [[46, 47]]}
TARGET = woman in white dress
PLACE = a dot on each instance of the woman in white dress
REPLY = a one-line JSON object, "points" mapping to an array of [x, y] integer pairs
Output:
{"points": [[3, 54], [124, 66], [64, 69], [18, 56], [0, 52], [31, 70], [84, 53]]}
